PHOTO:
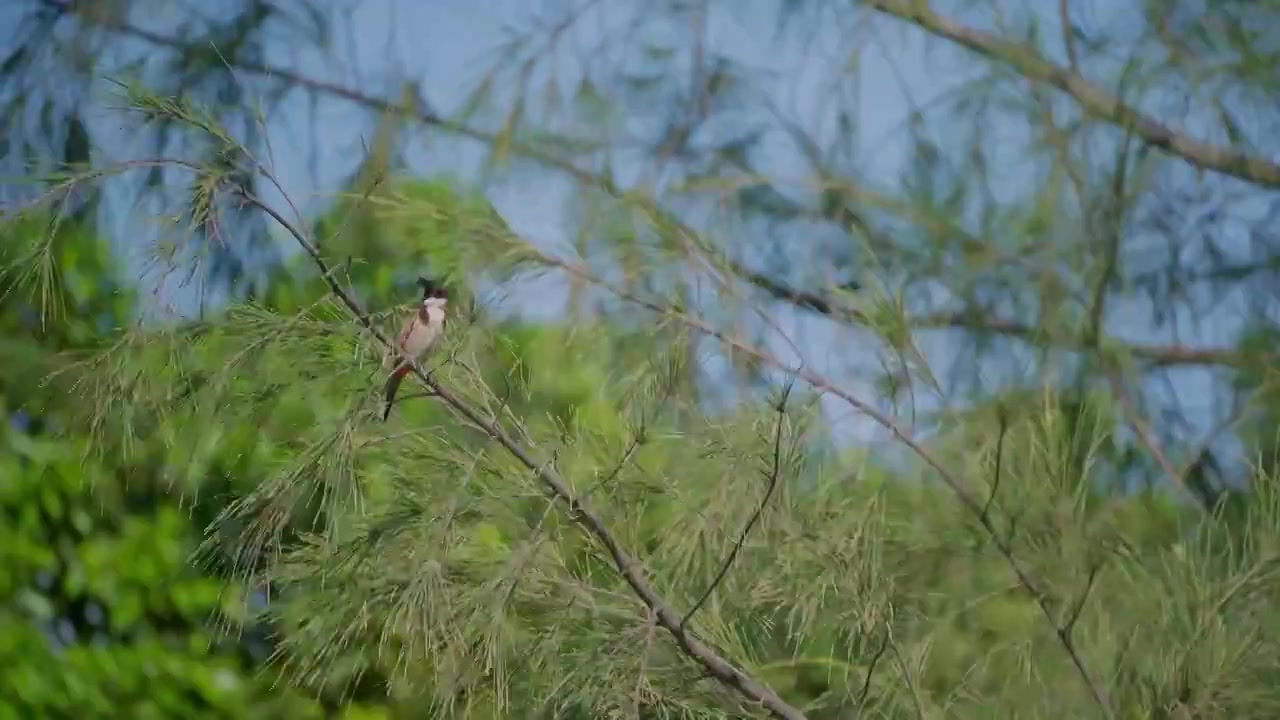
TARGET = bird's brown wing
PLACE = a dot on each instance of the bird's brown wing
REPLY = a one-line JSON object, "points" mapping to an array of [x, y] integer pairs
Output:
{"points": [[392, 359]]}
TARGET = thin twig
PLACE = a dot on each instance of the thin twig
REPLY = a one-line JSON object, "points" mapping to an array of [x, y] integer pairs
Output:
{"points": [[424, 394], [637, 439], [1068, 35], [1078, 607], [650, 625], [871, 667], [775, 472], [1141, 429], [1234, 416], [906, 672], [995, 482]]}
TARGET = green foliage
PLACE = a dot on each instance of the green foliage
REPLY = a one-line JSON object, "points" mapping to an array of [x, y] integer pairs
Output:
{"points": [[102, 614], [422, 558], [419, 568]]}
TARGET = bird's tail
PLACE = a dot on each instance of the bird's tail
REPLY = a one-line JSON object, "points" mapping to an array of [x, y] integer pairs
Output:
{"points": [[390, 389]]}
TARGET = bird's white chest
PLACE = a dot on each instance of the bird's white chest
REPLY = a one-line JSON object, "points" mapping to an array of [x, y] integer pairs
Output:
{"points": [[425, 331], [418, 336]]}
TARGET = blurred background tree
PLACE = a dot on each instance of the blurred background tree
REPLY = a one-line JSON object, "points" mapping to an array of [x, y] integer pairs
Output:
{"points": [[103, 614], [944, 209], [1021, 230]]}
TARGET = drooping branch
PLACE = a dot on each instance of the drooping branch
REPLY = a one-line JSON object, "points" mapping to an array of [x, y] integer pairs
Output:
{"points": [[832, 305], [577, 508], [957, 484], [818, 301], [425, 115], [1095, 100]]}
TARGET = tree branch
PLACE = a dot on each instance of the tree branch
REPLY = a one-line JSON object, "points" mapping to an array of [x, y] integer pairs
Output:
{"points": [[959, 487], [103, 19], [1068, 34], [1142, 429], [630, 569], [831, 305], [1094, 100], [820, 302]]}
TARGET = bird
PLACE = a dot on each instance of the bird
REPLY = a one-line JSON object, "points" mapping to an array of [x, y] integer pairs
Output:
{"points": [[420, 334]]}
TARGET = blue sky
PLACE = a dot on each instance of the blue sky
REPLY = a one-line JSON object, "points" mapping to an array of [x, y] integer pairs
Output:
{"points": [[448, 44]]}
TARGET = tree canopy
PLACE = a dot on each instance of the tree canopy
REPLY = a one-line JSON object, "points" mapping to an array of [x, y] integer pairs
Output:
{"points": [[628, 485]]}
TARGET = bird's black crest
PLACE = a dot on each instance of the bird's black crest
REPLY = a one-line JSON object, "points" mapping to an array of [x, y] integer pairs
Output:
{"points": [[432, 289]]}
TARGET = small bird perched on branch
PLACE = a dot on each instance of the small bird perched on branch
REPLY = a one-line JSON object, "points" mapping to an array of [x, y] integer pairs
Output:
{"points": [[421, 333]]}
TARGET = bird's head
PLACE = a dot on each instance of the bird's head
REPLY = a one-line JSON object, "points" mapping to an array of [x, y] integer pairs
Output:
{"points": [[433, 295]]}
